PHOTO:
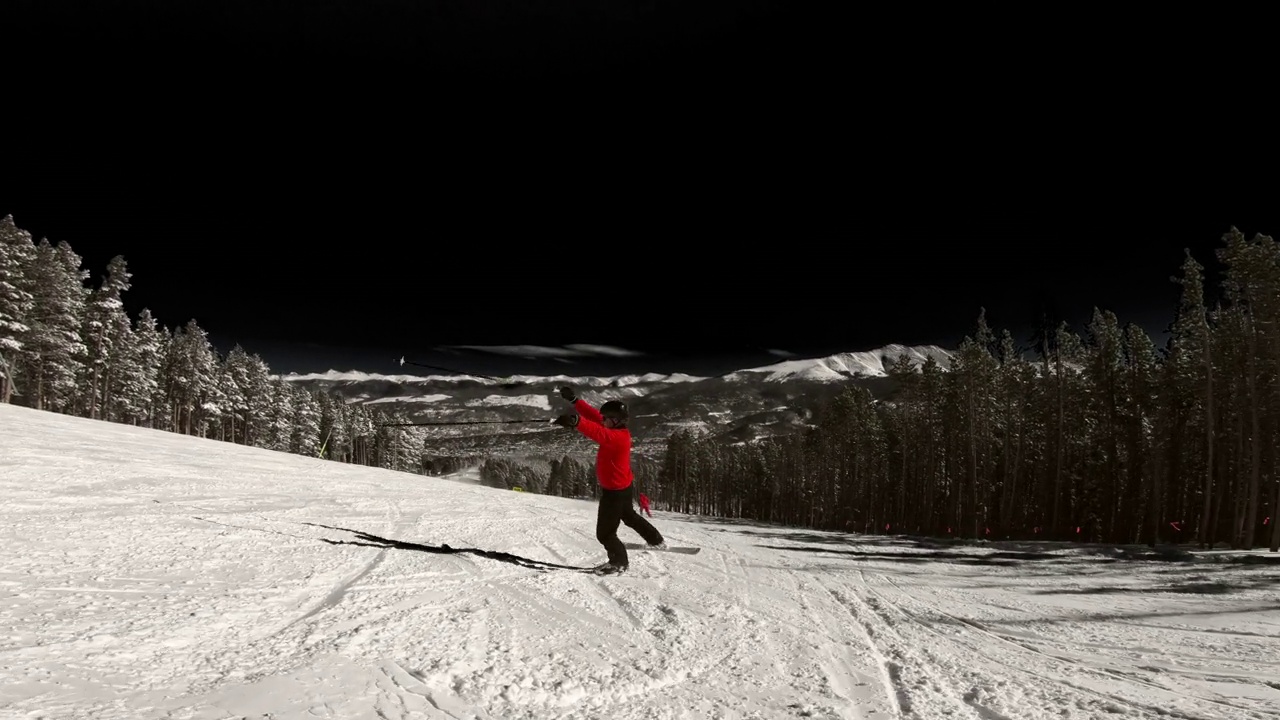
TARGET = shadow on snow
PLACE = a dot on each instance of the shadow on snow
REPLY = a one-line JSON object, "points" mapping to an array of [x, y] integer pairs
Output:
{"points": [[370, 540]]}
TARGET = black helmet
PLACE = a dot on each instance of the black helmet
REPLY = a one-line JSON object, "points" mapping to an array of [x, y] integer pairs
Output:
{"points": [[615, 409]]}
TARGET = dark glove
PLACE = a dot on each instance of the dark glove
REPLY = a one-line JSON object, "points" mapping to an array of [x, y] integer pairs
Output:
{"points": [[569, 421], [567, 393]]}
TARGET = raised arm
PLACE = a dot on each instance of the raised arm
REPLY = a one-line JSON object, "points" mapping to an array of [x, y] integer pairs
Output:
{"points": [[587, 411], [606, 437]]}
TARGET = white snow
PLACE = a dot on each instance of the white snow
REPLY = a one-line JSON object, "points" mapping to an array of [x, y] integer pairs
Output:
{"points": [[841, 366], [415, 399], [146, 574], [356, 376], [538, 401]]}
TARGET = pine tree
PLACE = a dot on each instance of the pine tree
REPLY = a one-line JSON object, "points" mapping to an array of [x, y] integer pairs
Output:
{"points": [[119, 405], [1252, 285], [1015, 383], [1107, 396], [16, 255], [334, 442], [1232, 359], [104, 319], [1141, 367], [279, 430], [305, 436], [1067, 356], [138, 383], [163, 401], [1194, 349], [191, 370], [974, 372], [360, 430], [235, 385], [259, 402], [54, 348]]}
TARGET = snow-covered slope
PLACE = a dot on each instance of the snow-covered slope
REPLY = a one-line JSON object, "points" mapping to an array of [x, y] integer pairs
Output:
{"points": [[146, 576]]}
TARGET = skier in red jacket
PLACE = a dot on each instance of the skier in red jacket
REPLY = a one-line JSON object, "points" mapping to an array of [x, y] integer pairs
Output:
{"points": [[607, 427], [644, 504]]}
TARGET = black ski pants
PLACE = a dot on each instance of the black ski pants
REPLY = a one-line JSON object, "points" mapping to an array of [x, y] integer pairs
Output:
{"points": [[617, 506]]}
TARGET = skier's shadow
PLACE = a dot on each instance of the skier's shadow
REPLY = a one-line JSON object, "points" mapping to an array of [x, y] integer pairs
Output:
{"points": [[369, 540]]}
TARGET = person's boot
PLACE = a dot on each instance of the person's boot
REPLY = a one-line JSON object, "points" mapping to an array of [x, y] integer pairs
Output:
{"points": [[609, 569]]}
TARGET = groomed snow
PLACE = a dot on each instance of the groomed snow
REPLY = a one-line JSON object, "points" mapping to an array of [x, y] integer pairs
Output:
{"points": [[145, 574]]}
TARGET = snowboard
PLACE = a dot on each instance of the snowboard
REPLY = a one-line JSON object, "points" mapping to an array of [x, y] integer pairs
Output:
{"points": [[683, 550]]}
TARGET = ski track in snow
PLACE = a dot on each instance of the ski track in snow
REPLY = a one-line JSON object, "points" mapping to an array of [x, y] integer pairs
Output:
{"points": [[149, 575]]}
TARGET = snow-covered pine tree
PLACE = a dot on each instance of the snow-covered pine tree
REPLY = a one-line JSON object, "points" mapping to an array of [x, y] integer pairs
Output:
{"points": [[191, 367], [360, 431], [409, 448], [118, 407], [163, 402], [305, 438], [335, 443], [234, 381], [279, 430], [55, 350], [104, 318], [16, 254], [135, 387], [259, 401]]}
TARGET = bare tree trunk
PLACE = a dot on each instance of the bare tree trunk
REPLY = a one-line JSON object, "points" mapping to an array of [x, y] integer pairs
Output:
{"points": [[1219, 501], [39, 400], [106, 394], [1206, 529], [93, 392], [1240, 485], [1255, 446], [1154, 502], [6, 382], [1017, 468], [1275, 521], [973, 463], [1057, 468]]}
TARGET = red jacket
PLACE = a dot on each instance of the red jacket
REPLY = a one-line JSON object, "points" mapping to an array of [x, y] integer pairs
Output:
{"points": [[613, 459]]}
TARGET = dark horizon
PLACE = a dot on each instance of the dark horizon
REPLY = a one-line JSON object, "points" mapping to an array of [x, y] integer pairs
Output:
{"points": [[274, 307]]}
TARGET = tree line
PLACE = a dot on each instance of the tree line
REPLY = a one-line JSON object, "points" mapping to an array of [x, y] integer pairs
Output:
{"points": [[1093, 438], [72, 349], [69, 348]]}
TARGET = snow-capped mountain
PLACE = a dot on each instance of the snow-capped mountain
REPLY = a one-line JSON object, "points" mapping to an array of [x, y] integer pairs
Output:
{"points": [[843, 366], [738, 406]]}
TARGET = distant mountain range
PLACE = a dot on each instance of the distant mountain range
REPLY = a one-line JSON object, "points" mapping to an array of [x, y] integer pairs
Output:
{"points": [[735, 407]]}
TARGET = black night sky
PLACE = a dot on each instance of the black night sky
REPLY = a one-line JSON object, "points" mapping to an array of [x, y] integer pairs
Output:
{"points": [[337, 185]]}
